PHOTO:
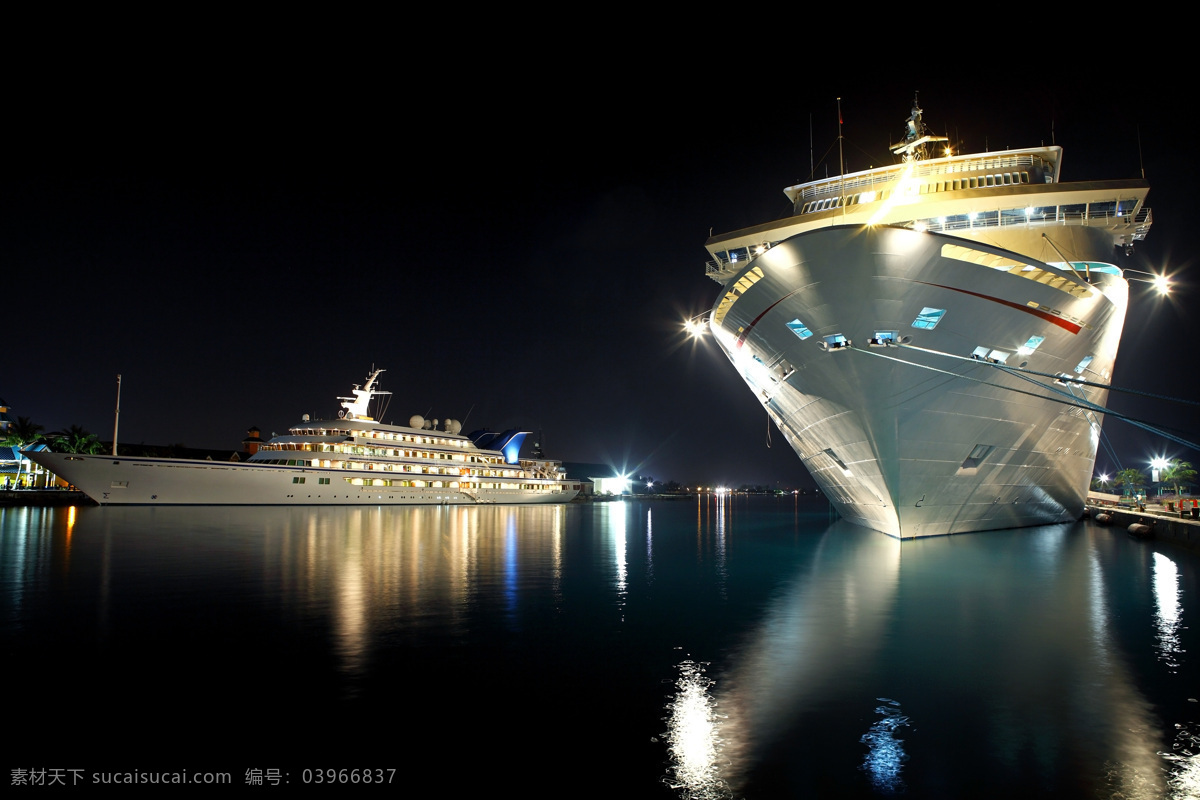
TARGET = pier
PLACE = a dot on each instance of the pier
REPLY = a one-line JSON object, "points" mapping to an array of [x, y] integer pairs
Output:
{"points": [[1168, 526], [44, 497]]}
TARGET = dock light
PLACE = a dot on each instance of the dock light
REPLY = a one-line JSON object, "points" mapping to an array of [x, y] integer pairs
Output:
{"points": [[1159, 463], [1161, 283], [696, 326]]}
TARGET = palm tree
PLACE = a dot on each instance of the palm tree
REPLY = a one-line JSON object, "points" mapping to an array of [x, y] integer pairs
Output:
{"points": [[76, 440], [1176, 473], [20, 433], [1132, 479], [23, 431]]}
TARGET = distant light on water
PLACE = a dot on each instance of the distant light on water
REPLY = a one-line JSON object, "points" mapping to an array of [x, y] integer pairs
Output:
{"points": [[693, 736], [885, 753]]}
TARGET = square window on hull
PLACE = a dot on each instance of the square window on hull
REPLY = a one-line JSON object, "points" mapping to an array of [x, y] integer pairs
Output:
{"points": [[1031, 345], [929, 318], [800, 329]]}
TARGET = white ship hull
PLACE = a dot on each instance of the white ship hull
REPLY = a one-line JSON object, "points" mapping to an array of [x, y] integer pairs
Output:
{"points": [[914, 437], [120, 480]]}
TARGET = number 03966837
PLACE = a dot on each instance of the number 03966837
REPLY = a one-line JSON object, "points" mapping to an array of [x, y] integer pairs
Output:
{"points": [[344, 776]]}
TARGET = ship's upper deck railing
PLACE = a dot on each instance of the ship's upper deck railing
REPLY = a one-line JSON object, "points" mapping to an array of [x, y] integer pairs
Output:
{"points": [[879, 178], [1051, 215]]}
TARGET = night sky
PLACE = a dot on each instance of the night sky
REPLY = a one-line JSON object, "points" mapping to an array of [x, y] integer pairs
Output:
{"points": [[518, 250]]}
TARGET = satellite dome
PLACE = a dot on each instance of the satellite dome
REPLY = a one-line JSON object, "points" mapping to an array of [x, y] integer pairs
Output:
{"points": [[416, 421]]}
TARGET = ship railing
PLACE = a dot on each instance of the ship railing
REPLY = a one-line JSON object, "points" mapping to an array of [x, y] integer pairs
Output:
{"points": [[722, 270], [879, 178], [1051, 217]]}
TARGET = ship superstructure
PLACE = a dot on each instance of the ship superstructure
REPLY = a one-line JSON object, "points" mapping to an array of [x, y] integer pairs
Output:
{"points": [[923, 333]]}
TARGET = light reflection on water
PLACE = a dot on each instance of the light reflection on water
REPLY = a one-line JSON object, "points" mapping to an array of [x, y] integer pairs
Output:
{"points": [[694, 737], [1023, 663], [1167, 615], [815, 635], [885, 752], [1183, 782], [1042, 662]]}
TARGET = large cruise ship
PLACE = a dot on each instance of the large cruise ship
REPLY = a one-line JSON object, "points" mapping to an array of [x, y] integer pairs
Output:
{"points": [[934, 338], [353, 460]]}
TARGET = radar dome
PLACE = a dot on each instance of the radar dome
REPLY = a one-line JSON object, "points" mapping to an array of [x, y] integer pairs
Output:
{"points": [[416, 421], [453, 426]]}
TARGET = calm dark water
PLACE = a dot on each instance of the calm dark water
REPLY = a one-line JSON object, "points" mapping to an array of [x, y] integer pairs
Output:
{"points": [[688, 649]]}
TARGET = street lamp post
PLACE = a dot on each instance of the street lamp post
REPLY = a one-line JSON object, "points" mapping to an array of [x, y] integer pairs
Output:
{"points": [[1161, 282], [1156, 467]]}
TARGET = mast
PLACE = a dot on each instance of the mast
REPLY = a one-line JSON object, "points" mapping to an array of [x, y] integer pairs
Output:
{"points": [[117, 414], [841, 163], [358, 407], [914, 147]]}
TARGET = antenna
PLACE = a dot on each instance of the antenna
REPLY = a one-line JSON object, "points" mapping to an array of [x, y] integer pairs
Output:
{"points": [[841, 162], [1141, 163], [811, 167]]}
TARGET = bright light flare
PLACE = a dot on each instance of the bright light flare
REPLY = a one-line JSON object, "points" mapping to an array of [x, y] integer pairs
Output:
{"points": [[1162, 284], [697, 326], [906, 191]]}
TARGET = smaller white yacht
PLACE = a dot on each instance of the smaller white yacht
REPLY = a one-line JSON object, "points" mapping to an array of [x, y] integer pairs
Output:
{"points": [[353, 460]]}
